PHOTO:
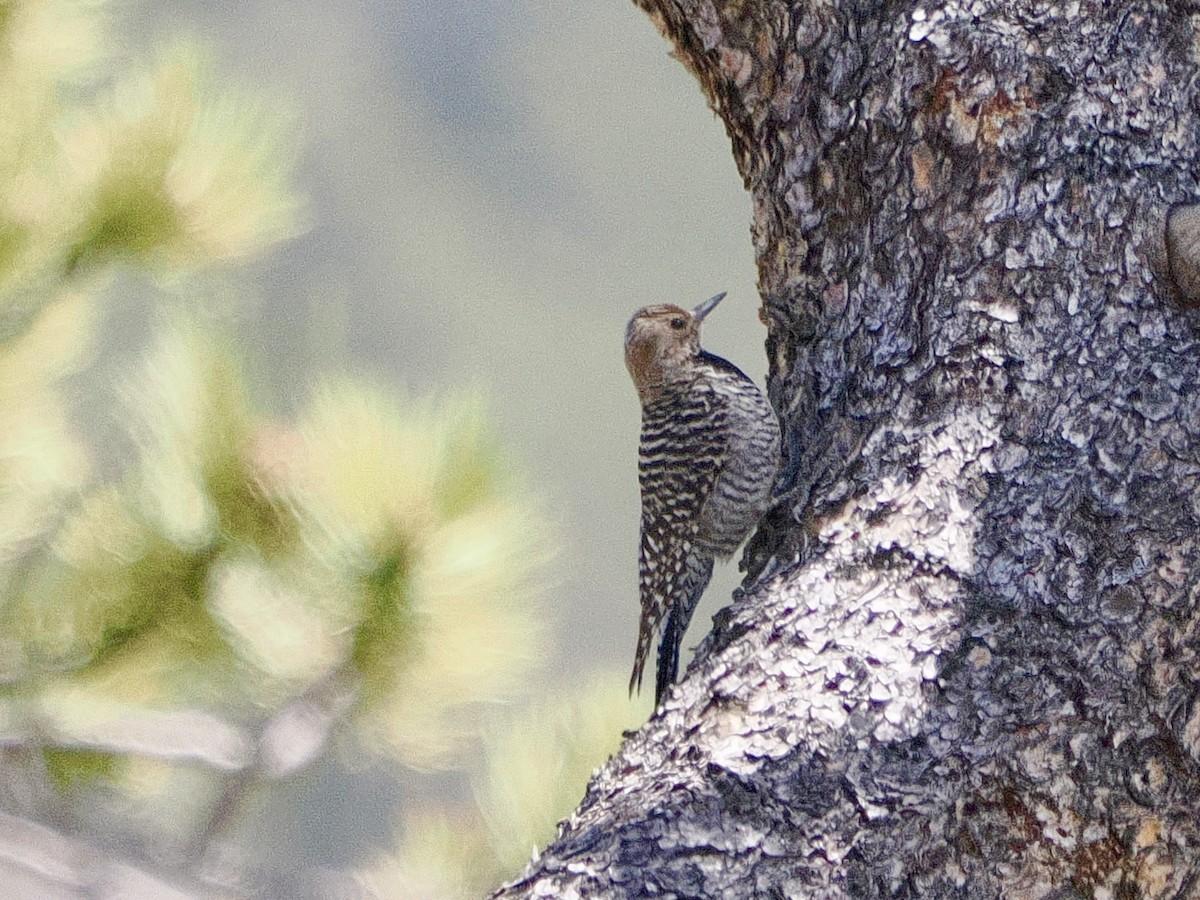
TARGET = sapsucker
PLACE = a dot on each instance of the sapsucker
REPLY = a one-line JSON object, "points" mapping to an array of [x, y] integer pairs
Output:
{"points": [[707, 462]]}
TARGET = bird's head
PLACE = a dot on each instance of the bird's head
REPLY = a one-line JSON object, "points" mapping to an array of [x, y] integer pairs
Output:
{"points": [[661, 341]]}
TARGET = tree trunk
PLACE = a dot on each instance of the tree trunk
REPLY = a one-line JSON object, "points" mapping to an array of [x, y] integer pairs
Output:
{"points": [[972, 667]]}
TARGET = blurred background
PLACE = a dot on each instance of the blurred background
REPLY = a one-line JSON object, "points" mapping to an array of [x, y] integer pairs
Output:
{"points": [[489, 190], [494, 188]]}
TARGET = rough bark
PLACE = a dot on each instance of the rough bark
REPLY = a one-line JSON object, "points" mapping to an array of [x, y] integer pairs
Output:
{"points": [[971, 669]]}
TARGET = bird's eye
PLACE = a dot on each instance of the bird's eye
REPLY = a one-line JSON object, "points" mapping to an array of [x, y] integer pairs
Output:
{"points": [[678, 322]]}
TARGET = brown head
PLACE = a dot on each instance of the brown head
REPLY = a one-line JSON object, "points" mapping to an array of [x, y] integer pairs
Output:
{"points": [[661, 341]]}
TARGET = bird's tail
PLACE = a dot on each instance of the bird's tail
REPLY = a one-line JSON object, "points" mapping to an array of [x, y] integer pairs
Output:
{"points": [[696, 577], [645, 637]]}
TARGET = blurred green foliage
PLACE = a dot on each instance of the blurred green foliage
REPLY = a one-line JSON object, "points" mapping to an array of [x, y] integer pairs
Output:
{"points": [[533, 771], [374, 558], [387, 536], [369, 565]]}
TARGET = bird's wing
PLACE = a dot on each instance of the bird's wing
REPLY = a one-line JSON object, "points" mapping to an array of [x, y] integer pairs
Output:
{"points": [[682, 452]]}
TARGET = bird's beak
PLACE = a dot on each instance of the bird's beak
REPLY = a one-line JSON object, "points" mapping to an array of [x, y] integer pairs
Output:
{"points": [[707, 306]]}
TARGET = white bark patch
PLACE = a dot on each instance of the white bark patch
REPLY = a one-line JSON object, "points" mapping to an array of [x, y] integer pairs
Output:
{"points": [[929, 517]]}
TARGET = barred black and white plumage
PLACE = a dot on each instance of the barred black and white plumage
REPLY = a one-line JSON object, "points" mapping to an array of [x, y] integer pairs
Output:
{"points": [[708, 459]]}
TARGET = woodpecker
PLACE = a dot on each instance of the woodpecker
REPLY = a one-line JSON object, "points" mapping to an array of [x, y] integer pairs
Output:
{"points": [[707, 461]]}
